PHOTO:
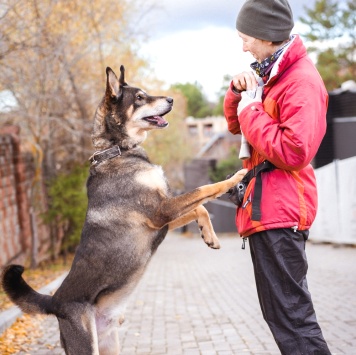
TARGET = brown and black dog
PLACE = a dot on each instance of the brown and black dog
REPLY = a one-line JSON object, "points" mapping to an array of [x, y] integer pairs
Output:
{"points": [[130, 210]]}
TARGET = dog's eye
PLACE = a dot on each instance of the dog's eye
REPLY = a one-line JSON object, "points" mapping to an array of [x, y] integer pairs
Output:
{"points": [[139, 97]]}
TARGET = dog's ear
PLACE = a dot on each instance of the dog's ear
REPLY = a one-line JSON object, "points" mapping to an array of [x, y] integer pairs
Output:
{"points": [[122, 76], [113, 85]]}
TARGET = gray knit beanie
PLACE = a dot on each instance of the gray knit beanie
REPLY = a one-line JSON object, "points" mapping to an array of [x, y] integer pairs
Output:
{"points": [[270, 20]]}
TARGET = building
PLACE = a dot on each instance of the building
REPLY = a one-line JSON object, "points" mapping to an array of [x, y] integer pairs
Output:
{"points": [[210, 137], [213, 142], [339, 141]]}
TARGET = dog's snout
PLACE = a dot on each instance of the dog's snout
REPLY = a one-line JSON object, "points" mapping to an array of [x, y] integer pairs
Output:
{"points": [[169, 100]]}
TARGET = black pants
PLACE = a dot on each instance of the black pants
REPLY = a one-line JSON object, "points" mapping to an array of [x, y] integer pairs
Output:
{"points": [[280, 267]]}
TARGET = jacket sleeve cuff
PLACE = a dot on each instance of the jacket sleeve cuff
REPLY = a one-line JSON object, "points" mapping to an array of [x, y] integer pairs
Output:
{"points": [[231, 101]]}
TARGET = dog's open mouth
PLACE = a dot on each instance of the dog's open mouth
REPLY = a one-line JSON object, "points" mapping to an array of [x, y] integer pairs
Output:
{"points": [[158, 121]]}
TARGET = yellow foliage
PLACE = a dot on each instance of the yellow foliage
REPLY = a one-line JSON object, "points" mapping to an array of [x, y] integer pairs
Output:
{"points": [[21, 335], [55, 54], [53, 59]]}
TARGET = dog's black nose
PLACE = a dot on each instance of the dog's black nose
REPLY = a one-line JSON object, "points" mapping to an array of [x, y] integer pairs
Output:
{"points": [[170, 100]]}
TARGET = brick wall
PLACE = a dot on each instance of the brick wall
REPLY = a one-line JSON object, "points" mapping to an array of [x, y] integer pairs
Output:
{"points": [[18, 219]]}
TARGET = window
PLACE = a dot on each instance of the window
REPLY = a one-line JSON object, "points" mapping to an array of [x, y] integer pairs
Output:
{"points": [[208, 130], [193, 130]]}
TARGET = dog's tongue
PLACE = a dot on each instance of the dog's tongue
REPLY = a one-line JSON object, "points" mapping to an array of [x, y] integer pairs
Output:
{"points": [[158, 120]]}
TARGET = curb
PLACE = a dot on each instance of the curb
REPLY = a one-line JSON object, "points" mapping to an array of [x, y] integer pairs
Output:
{"points": [[8, 317]]}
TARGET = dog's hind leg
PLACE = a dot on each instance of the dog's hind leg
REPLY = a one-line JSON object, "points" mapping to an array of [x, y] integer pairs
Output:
{"points": [[109, 342], [78, 330], [201, 216]]}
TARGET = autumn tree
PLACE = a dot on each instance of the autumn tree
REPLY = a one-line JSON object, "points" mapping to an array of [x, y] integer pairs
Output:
{"points": [[53, 56], [332, 30]]}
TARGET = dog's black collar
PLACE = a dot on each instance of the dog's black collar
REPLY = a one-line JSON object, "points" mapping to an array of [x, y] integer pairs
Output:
{"points": [[102, 155]]}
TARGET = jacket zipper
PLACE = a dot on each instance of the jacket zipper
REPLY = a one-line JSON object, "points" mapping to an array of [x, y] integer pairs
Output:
{"points": [[247, 202]]}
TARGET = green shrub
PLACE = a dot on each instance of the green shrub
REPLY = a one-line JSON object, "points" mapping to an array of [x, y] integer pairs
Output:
{"points": [[225, 167], [68, 204]]}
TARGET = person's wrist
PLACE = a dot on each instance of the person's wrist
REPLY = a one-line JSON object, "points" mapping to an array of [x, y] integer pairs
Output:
{"points": [[233, 89]]}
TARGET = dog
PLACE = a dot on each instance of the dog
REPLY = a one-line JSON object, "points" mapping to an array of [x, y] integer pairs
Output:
{"points": [[130, 210]]}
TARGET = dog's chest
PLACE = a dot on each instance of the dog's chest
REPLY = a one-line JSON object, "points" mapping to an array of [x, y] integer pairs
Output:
{"points": [[153, 178]]}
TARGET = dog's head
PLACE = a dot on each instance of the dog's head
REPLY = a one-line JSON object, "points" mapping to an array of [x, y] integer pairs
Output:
{"points": [[126, 113]]}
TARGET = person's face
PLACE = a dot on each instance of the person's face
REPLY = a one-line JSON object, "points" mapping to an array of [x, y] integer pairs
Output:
{"points": [[258, 48]]}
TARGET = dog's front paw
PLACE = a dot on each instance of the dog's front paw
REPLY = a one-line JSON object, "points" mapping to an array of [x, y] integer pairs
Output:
{"points": [[215, 244], [209, 237], [212, 243], [237, 177]]}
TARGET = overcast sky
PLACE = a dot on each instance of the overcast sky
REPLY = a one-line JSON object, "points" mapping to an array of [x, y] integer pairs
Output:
{"points": [[196, 41]]}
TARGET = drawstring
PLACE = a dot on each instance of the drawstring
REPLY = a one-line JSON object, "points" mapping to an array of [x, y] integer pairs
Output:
{"points": [[243, 243]]}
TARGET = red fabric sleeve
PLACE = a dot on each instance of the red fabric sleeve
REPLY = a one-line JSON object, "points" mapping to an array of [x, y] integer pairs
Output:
{"points": [[231, 101]]}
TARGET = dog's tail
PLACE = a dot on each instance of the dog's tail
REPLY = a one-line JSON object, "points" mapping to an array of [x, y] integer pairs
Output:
{"points": [[22, 294]]}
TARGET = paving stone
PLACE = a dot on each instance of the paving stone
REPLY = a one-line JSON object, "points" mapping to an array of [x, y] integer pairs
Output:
{"points": [[193, 300]]}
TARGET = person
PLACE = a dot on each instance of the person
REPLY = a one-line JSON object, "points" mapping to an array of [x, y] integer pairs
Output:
{"points": [[284, 121]]}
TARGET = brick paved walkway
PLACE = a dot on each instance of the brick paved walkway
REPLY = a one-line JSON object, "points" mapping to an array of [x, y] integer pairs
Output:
{"points": [[197, 301]]}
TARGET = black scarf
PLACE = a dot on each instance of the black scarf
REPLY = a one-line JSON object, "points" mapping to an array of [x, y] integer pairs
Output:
{"points": [[263, 68]]}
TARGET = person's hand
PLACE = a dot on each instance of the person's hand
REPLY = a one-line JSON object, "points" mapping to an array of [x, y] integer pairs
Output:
{"points": [[244, 81], [249, 97]]}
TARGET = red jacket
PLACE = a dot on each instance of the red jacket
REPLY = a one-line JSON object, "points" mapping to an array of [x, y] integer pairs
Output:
{"points": [[286, 129]]}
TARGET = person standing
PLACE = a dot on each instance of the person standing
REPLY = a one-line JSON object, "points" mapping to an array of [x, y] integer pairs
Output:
{"points": [[280, 106]]}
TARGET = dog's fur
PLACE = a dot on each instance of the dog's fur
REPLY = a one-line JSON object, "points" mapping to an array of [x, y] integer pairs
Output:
{"points": [[129, 213]]}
